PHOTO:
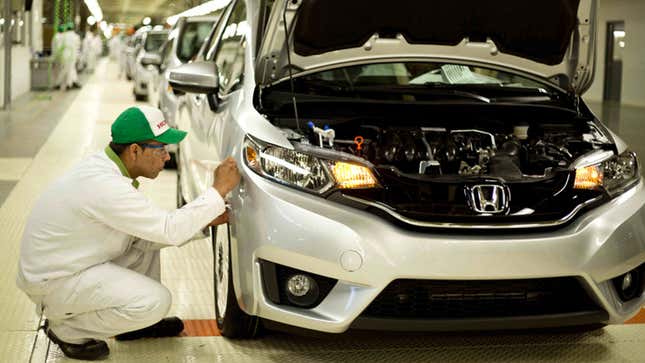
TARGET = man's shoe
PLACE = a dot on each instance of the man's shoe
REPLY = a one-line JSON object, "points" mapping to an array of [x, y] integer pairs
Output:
{"points": [[91, 350], [168, 327]]}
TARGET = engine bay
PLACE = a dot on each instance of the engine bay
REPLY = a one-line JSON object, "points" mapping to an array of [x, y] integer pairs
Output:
{"points": [[507, 150]]}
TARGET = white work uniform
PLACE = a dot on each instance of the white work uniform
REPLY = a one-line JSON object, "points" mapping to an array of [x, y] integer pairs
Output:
{"points": [[90, 250], [66, 47], [90, 50], [123, 57], [59, 54]]}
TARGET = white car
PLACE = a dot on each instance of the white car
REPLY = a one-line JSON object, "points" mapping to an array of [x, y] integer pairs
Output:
{"points": [[145, 60], [133, 46], [182, 45], [412, 165]]}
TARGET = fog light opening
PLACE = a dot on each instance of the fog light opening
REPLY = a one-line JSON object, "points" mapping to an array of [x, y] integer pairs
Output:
{"points": [[629, 285], [301, 290]]}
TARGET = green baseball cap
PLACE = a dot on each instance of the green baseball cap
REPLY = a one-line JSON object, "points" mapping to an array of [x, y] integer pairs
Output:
{"points": [[140, 123]]}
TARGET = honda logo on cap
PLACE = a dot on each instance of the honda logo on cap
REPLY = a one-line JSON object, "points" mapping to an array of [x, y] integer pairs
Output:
{"points": [[488, 198]]}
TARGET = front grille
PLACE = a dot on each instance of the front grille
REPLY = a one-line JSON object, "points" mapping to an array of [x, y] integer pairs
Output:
{"points": [[434, 201], [440, 299]]}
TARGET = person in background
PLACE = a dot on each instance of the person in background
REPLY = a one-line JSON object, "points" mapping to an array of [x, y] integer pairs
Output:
{"points": [[66, 48], [90, 50], [114, 44]]}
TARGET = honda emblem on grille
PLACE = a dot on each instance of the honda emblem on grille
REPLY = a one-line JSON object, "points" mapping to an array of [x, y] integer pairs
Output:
{"points": [[488, 198]]}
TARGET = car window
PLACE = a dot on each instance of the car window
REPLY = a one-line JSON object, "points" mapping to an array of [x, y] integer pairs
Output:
{"points": [[154, 41], [229, 55], [191, 39], [421, 73], [209, 47]]}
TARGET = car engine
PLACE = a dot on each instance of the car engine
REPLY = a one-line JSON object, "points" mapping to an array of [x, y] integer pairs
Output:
{"points": [[511, 152]]}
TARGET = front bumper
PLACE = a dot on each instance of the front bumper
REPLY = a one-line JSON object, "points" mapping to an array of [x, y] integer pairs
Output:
{"points": [[278, 224]]}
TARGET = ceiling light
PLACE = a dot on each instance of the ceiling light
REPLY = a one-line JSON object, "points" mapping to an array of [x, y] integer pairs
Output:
{"points": [[91, 20], [146, 20], [95, 9]]}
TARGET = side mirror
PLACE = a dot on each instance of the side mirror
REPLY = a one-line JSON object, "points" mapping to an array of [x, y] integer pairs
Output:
{"points": [[151, 59], [196, 77]]}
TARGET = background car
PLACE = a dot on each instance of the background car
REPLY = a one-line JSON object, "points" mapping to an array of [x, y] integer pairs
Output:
{"points": [[182, 45], [408, 173], [146, 60], [132, 48]]}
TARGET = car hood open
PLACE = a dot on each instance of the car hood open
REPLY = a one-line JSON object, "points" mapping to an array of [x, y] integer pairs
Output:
{"points": [[552, 40]]}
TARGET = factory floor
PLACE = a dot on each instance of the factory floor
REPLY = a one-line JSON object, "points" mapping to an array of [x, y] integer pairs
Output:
{"points": [[45, 133]]}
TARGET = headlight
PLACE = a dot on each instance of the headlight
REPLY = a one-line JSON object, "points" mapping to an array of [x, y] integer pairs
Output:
{"points": [[614, 175], [306, 171]]}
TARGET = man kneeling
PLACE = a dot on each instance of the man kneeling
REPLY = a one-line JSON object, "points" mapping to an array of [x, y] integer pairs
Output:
{"points": [[90, 251]]}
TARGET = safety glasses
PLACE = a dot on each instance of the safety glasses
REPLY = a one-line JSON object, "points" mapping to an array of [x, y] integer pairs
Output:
{"points": [[160, 149]]}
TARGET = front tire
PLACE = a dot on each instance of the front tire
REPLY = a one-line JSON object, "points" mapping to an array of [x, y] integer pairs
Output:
{"points": [[231, 320]]}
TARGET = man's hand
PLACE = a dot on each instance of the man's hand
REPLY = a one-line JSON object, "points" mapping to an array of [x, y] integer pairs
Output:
{"points": [[226, 177], [221, 219]]}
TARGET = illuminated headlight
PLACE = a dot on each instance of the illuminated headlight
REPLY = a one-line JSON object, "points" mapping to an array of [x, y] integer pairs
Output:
{"points": [[614, 175], [306, 171]]}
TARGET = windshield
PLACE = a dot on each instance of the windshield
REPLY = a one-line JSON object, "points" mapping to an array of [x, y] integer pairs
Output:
{"points": [[154, 42], [421, 73], [192, 38]]}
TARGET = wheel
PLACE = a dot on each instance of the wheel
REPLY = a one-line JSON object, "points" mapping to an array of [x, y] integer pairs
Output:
{"points": [[231, 320], [139, 97], [128, 77]]}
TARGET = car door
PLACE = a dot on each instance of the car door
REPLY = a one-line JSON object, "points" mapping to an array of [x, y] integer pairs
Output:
{"points": [[201, 151]]}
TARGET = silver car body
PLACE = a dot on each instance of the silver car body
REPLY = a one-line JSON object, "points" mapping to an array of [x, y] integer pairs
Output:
{"points": [[276, 223]]}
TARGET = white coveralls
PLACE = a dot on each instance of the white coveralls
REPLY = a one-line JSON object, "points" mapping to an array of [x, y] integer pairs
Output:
{"points": [[115, 47], [123, 56], [91, 50], [66, 47], [90, 251]]}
